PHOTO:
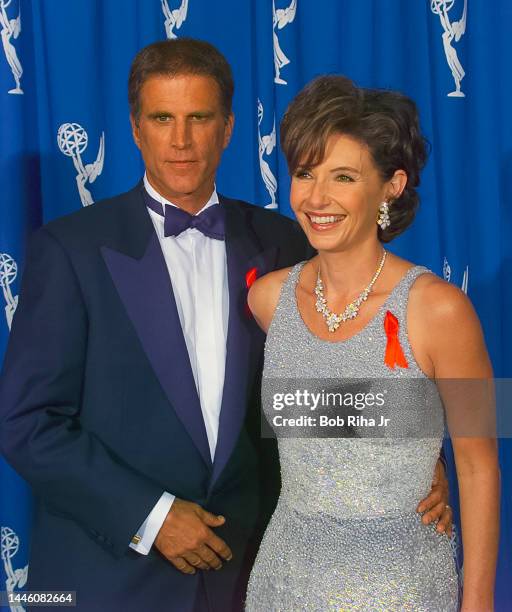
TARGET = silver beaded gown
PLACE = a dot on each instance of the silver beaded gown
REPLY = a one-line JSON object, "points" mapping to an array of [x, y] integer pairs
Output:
{"points": [[345, 534]]}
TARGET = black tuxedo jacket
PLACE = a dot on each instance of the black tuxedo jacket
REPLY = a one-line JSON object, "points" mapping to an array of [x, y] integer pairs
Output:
{"points": [[99, 411]]}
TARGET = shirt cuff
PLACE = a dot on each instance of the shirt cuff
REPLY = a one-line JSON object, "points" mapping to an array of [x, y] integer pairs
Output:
{"points": [[143, 540]]}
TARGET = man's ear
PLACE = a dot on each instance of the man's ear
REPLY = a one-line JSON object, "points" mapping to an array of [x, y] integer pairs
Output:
{"points": [[228, 130], [135, 130]]}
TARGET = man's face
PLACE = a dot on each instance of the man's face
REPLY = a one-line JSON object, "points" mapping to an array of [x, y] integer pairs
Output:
{"points": [[181, 134]]}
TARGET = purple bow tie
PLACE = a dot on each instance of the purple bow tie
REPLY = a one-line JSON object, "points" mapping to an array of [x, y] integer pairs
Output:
{"points": [[210, 222]]}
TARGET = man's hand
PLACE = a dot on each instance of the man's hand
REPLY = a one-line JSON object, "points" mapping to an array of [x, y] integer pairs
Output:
{"points": [[435, 505], [187, 541]]}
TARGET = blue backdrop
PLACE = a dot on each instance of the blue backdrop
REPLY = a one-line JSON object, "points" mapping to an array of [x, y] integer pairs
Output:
{"points": [[66, 141]]}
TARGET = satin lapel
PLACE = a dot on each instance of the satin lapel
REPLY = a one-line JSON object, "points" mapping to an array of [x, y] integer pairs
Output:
{"points": [[243, 251], [146, 291]]}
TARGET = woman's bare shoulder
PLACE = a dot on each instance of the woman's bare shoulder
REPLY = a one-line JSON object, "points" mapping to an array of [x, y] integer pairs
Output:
{"points": [[264, 295], [438, 300], [448, 328]]}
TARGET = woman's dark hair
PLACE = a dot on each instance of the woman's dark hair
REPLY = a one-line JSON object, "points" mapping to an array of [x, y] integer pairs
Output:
{"points": [[385, 121], [178, 57]]}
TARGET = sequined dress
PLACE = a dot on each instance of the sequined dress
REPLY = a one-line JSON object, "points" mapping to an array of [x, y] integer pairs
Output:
{"points": [[345, 534]]}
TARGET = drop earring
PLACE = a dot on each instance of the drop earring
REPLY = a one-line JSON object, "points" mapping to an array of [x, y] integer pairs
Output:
{"points": [[383, 219]]}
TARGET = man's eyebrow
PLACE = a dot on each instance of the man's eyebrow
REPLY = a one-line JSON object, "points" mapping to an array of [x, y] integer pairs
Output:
{"points": [[160, 114], [201, 113]]}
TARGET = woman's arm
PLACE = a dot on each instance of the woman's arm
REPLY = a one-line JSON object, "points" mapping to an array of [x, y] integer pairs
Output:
{"points": [[478, 476], [462, 369]]}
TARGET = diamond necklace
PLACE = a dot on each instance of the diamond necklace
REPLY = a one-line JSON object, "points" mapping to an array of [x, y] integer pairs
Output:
{"points": [[333, 320]]}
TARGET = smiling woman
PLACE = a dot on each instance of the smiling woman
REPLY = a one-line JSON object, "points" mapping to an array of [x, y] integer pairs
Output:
{"points": [[382, 134], [348, 506], [343, 193]]}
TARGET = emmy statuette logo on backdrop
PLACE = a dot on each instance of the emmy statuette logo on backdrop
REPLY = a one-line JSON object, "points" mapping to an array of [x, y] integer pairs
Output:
{"points": [[281, 18], [8, 273], [447, 274], [11, 28], [266, 145], [174, 18], [72, 140], [16, 578], [453, 31]]}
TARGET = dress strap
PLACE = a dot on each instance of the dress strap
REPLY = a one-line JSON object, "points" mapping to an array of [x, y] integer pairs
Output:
{"points": [[397, 303], [399, 297]]}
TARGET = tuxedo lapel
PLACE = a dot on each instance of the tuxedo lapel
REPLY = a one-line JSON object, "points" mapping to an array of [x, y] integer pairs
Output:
{"points": [[137, 266], [138, 270], [243, 252]]}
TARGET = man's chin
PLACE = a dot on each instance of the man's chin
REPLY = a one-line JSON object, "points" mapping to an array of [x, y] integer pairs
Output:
{"points": [[189, 197], [177, 189]]}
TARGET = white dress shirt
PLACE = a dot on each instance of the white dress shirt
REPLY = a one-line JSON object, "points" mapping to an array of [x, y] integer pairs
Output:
{"points": [[198, 270]]}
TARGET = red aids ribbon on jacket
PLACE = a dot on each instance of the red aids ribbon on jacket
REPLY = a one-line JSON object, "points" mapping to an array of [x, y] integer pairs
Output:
{"points": [[394, 353], [250, 276]]}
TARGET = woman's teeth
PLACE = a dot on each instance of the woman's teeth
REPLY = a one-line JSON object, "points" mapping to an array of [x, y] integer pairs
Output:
{"points": [[323, 219]]}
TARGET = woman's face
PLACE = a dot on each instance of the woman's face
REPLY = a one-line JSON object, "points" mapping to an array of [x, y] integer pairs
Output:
{"points": [[337, 201]]}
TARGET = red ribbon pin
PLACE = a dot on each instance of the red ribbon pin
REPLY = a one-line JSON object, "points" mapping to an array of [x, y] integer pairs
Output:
{"points": [[250, 276], [394, 353]]}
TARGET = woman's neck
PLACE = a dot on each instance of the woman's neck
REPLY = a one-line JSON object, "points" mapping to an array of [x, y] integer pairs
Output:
{"points": [[346, 273]]}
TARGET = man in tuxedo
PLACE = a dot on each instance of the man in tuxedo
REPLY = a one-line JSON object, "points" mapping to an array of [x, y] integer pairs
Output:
{"points": [[129, 396]]}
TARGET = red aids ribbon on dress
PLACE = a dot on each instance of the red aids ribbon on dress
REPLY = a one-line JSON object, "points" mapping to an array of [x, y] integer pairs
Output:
{"points": [[250, 276], [394, 353]]}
